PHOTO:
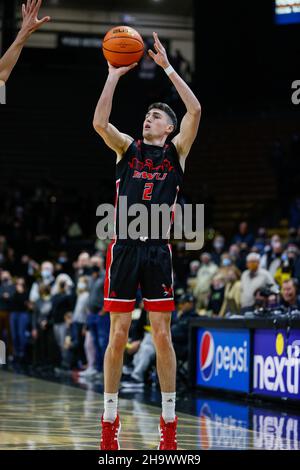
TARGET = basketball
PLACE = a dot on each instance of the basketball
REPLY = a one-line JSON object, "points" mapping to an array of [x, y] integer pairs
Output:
{"points": [[122, 46]]}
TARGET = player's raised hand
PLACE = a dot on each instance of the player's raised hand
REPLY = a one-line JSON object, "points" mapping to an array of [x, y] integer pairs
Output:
{"points": [[119, 71], [160, 57], [30, 13]]}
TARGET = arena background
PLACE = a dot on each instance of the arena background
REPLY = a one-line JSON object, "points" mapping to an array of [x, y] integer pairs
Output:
{"points": [[55, 171]]}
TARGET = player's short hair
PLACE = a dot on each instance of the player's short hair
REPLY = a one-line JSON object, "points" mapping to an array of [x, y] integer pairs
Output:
{"points": [[166, 108]]}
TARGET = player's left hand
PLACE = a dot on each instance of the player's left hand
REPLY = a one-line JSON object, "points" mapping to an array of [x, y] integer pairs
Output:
{"points": [[160, 57], [30, 13]]}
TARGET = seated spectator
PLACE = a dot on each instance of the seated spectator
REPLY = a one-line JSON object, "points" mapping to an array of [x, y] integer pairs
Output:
{"points": [[232, 294], [271, 258], [144, 354], [289, 265], [252, 279], [68, 343], [62, 303], [20, 321], [290, 293], [218, 249], [180, 328], [98, 321], [205, 274], [227, 265], [216, 296], [238, 257], [243, 235]]}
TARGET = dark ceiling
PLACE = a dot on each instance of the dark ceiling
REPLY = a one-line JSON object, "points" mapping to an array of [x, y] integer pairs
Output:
{"points": [[172, 7]]}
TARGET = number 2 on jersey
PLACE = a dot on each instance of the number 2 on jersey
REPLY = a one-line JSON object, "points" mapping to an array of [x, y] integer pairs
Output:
{"points": [[147, 194]]}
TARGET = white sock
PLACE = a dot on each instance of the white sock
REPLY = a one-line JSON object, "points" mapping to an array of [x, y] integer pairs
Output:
{"points": [[110, 406], [168, 406]]}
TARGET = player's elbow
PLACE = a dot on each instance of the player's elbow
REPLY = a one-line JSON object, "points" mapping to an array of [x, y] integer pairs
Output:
{"points": [[99, 126], [197, 109]]}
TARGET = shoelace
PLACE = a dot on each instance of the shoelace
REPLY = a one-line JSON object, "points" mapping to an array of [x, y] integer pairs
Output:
{"points": [[168, 434], [109, 434]]}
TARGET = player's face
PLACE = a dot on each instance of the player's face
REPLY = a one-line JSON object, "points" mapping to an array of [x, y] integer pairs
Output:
{"points": [[156, 124]]}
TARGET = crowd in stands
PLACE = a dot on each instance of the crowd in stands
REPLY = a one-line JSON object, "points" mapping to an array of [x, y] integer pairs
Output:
{"points": [[52, 316]]}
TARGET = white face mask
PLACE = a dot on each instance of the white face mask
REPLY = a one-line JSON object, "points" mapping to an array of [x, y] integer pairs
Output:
{"points": [[81, 286], [46, 273]]}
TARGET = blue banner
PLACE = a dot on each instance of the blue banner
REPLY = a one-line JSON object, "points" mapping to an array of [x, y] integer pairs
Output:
{"points": [[223, 359]]}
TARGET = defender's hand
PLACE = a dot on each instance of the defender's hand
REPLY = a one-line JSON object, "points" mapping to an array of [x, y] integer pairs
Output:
{"points": [[119, 71], [160, 57], [30, 13]]}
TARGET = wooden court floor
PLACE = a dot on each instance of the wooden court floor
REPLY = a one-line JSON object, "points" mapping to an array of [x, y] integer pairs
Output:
{"points": [[37, 414]]}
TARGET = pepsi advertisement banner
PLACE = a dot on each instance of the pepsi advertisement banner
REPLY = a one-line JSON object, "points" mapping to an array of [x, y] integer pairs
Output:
{"points": [[276, 363], [223, 359]]}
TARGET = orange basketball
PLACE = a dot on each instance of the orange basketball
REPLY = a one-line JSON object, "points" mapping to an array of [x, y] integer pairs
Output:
{"points": [[123, 46]]}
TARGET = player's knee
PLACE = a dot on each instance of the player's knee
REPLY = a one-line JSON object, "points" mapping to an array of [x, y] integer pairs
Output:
{"points": [[162, 338], [118, 340]]}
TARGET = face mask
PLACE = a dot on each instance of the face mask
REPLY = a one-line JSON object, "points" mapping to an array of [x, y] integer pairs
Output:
{"points": [[46, 273], [218, 245], [81, 285], [62, 260], [226, 262]]}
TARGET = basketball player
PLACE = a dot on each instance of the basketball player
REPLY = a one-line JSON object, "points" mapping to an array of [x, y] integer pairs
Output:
{"points": [[144, 262], [30, 24]]}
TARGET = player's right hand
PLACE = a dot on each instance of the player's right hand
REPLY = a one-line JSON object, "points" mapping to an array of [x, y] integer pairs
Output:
{"points": [[119, 71]]}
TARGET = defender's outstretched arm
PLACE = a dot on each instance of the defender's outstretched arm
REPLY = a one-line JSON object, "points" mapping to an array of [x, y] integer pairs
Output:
{"points": [[30, 24]]}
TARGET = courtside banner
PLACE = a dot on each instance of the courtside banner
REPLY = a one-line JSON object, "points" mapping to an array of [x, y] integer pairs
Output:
{"points": [[223, 359], [276, 363]]}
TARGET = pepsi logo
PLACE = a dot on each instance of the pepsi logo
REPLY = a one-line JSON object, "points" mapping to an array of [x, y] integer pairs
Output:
{"points": [[207, 352]]}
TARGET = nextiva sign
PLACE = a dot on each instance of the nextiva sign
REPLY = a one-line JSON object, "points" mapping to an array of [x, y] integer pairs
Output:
{"points": [[223, 359], [276, 363]]}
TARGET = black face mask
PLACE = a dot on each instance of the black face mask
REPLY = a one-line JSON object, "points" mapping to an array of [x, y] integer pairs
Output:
{"points": [[86, 271], [95, 269]]}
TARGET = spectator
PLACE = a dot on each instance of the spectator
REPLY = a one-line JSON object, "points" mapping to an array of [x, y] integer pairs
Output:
{"points": [[216, 296], [180, 328], [80, 317], [98, 321], [144, 354], [20, 321], [232, 294], [62, 303], [289, 294], [218, 249], [243, 235], [47, 278], [252, 279], [45, 345], [6, 292], [205, 274], [271, 259], [226, 265], [289, 266]]}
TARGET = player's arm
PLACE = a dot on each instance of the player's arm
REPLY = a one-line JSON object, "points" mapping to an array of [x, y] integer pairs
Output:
{"points": [[30, 24], [190, 122], [113, 138]]}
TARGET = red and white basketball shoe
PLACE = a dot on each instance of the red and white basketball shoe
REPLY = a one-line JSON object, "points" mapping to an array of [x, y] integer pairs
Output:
{"points": [[110, 434], [167, 431]]}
